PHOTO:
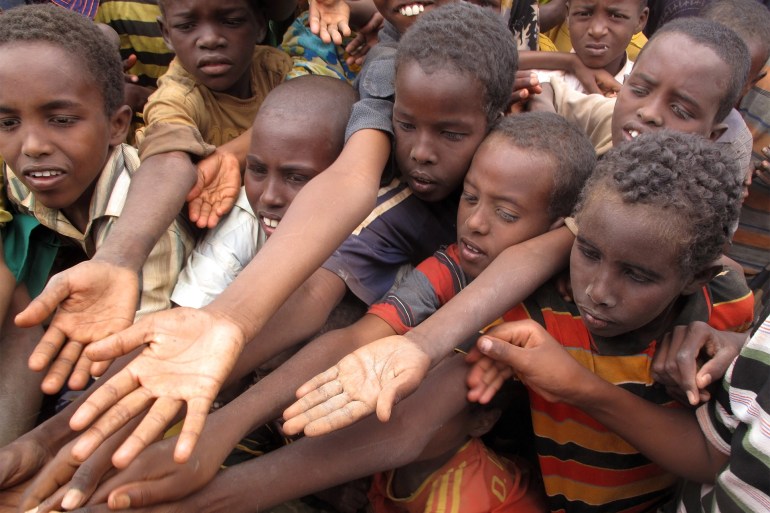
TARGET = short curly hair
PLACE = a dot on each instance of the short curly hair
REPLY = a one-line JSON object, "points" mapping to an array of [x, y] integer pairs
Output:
{"points": [[469, 39], [684, 174], [562, 143], [721, 40], [76, 35], [748, 18]]}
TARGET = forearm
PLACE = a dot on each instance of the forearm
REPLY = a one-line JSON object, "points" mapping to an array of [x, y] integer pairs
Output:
{"points": [[547, 60], [239, 147], [298, 319], [671, 437], [515, 274], [551, 14], [267, 399], [324, 212], [155, 197], [360, 450]]}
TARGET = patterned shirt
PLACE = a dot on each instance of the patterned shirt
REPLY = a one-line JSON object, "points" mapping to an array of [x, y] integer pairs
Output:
{"points": [[160, 270]]}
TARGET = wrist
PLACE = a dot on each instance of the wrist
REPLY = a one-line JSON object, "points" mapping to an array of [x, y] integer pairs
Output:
{"points": [[245, 329]]}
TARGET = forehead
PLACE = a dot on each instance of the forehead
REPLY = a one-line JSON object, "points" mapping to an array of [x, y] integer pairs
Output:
{"points": [[42, 72], [509, 170], [606, 4], [177, 7], [284, 137], [441, 88]]}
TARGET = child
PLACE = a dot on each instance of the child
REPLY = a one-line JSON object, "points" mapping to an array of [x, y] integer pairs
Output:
{"points": [[651, 222], [282, 159], [438, 130], [525, 177], [65, 164], [600, 31], [657, 97]]}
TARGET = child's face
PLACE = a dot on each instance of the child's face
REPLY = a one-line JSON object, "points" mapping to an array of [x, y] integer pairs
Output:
{"points": [[282, 158], [676, 84], [439, 121], [214, 41], [403, 13], [54, 131], [624, 266], [504, 202], [600, 30]]}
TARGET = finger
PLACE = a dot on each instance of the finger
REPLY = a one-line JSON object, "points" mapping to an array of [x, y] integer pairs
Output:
{"points": [[338, 419], [520, 333], [203, 214], [152, 426], [324, 34], [81, 374], [103, 398], [143, 494], [197, 188], [318, 381], [119, 344], [498, 350], [226, 203], [47, 349], [85, 482], [99, 368], [194, 210], [194, 421], [716, 366], [493, 387], [658, 366], [61, 368], [40, 308], [393, 392], [310, 404]]}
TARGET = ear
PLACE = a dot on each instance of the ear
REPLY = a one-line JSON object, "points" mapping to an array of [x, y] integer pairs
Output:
{"points": [[642, 20], [702, 277], [260, 20], [120, 122], [484, 420], [716, 131], [165, 34]]}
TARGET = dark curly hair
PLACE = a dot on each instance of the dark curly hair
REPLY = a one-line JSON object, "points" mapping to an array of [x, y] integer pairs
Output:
{"points": [[683, 174], [721, 40], [76, 35], [469, 39], [562, 143]]}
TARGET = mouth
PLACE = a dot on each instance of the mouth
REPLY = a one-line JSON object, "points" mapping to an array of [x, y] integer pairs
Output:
{"points": [[631, 132], [215, 65], [593, 321], [42, 178], [269, 222], [596, 49], [411, 9], [471, 249], [421, 183]]}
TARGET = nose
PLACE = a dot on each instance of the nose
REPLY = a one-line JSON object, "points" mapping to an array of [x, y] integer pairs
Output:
{"points": [[599, 290], [597, 27], [209, 37], [476, 221], [35, 144], [650, 113], [422, 150], [273, 193]]}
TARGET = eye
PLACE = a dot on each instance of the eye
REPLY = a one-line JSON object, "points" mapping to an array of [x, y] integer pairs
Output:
{"points": [[403, 125], [581, 14], [63, 121], [637, 276], [589, 253], [8, 123], [468, 198], [256, 170], [680, 112], [297, 179], [453, 136], [508, 217], [638, 91], [618, 16], [184, 27], [234, 22]]}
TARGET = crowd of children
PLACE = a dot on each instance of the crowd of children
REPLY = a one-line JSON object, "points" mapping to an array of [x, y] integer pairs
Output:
{"points": [[232, 236]]}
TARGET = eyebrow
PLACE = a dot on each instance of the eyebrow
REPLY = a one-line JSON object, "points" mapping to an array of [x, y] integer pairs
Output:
{"points": [[61, 104], [684, 96], [651, 274]]}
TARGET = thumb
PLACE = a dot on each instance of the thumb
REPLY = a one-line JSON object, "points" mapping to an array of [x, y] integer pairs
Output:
{"points": [[40, 308], [399, 388], [499, 350], [142, 494], [118, 344]]}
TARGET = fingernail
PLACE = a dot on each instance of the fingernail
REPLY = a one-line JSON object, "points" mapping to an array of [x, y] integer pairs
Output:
{"points": [[72, 499], [33, 510], [121, 502], [485, 344], [691, 397]]}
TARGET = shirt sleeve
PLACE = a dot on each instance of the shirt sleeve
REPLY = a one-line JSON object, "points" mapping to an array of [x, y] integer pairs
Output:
{"points": [[592, 113]]}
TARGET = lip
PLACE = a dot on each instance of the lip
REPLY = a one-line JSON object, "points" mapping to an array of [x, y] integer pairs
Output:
{"points": [[632, 127], [596, 49], [593, 321], [421, 183], [471, 252], [262, 217], [215, 65], [425, 5], [43, 183]]}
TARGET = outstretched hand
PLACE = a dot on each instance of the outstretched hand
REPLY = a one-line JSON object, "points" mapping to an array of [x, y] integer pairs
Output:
{"points": [[680, 353], [216, 189], [189, 355], [374, 377], [89, 301], [329, 20], [366, 37], [536, 358]]}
